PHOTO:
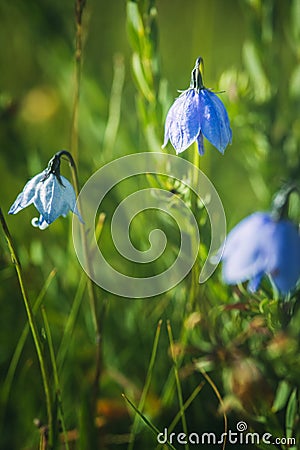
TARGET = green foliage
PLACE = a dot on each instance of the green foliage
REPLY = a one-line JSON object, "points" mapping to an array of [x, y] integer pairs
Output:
{"points": [[218, 351]]}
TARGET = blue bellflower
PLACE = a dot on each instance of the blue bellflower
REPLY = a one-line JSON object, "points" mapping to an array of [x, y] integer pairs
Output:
{"points": [[52, 195], [197, 112], [259, 245]]}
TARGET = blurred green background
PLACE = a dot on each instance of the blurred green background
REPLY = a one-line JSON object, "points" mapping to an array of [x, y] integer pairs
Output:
{"points": [[251, 51]]}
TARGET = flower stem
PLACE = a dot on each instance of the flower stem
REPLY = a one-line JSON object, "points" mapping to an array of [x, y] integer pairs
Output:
{"points": [[79, 8], [177, 380], [33, 327], [7, 383], [90, 285], [194, 204], [114, 113], [55, 377]]}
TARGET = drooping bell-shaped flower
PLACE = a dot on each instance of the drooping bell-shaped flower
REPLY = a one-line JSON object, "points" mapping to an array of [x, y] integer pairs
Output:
{"points": [[263, 244], [51, 193], [197, 112]]}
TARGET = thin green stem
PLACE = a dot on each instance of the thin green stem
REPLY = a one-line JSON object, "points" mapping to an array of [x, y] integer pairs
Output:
{"points": [[70, 324], [194, 202], [90, 284], [178, 385], [147, 422], [196, 163], [114, 111], [218, 395], [194, 278], [187, 403], [194, 275], [147, 385], [55, 376], [7, 384], [33, 327], [185, 406], [79, 7]]}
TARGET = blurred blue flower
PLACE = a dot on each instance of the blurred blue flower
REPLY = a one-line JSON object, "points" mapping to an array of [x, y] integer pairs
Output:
{"points": [[261, 245], [52, 195], [197, 112]]}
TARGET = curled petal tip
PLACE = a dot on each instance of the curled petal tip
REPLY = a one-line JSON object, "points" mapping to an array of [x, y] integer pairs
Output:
{"points": [[40, 223]]}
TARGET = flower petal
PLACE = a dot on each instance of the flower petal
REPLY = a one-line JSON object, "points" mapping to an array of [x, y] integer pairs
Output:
{"points": [[260, 245], [200, 144], [70, 198], [53, 199], [214, 120], [26, 197], [254, 282], [286, 260], [48, 199], [183, 121]]}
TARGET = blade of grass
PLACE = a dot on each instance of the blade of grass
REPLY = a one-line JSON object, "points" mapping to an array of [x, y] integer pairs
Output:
{"points": [[74, 139], [114, 111], [185, 406], [7, 384], [147, 422], [91, 289], [216, 391], [168, 389], [69, 327], [33, 328], [171, 381], [79, 8], [178, 385], [146, 386], [55, 376], [71, 321]]}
